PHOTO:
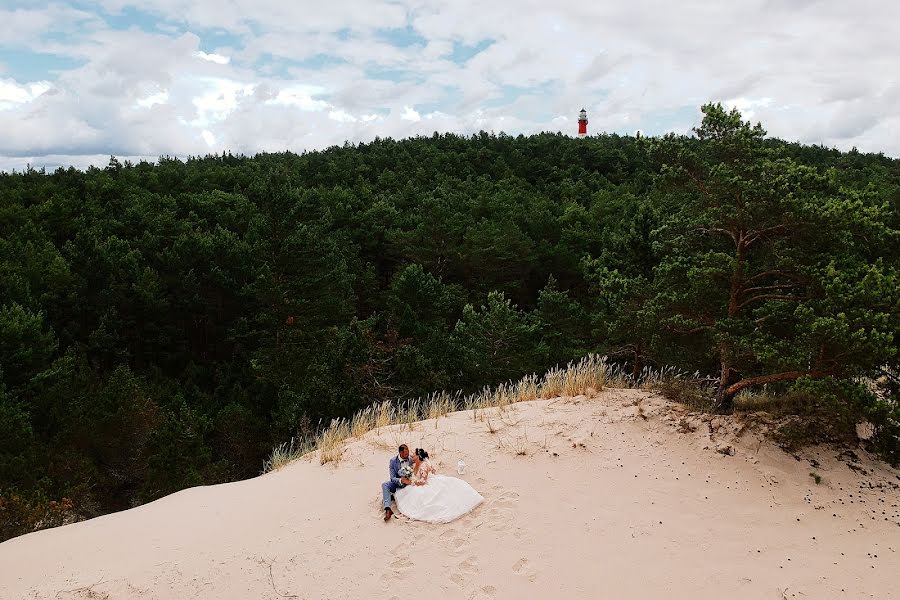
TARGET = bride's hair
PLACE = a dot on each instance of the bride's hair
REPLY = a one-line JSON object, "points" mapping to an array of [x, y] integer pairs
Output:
{"points": [[420, 452]]}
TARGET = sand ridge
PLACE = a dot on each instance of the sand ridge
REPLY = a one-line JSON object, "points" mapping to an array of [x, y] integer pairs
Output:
{"points": [[621, 495]]}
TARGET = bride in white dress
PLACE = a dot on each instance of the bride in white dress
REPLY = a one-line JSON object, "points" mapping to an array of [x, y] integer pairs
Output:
{"points": [[432, 497]]}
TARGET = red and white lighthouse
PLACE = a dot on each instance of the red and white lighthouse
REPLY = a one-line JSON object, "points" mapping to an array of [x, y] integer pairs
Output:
{"points": [[582, 123]]}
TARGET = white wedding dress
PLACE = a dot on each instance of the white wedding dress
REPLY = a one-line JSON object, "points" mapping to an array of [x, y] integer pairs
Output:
{"points": [[440, 499]]}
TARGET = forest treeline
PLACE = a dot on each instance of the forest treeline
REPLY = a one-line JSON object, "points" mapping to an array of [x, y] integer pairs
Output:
{"points": [[164, 325]]}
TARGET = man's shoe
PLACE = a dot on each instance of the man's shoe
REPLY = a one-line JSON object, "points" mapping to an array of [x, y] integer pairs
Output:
{"points": [[388, 513]]}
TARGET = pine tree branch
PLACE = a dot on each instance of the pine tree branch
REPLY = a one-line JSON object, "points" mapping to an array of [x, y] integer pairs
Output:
{"points": [[754, 236], [764, 379], [726, 232], [691, 331], [768, 297], [779, 286], [773, 273]]}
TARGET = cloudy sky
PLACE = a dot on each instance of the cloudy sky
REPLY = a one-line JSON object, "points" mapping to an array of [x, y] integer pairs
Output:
{"points": [[83, 79]]}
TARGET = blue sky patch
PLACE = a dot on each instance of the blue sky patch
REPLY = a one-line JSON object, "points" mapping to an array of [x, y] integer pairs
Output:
{"points": [[280, 66], [401, 37], [660, 121], [511, 93], [373, 71], [213, 39], [25, 65], [450, 97], [462, 53], [131, 18]]}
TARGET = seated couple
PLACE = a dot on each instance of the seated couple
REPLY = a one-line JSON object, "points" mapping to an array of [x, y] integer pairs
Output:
{"points": [[421, 493]]}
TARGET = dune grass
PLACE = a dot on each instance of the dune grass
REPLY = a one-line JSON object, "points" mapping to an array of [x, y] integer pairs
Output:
{"points": [[287, 452], [588, 376]]}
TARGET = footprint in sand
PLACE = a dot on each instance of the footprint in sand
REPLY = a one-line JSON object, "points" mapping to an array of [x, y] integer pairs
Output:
{"points": [[508, 498], [500, 511], [468, 566], [464, 572], [401, 564], [522, 567], [484, 593], [458, 545], [454, 540], [403, 550], [498, 520]]}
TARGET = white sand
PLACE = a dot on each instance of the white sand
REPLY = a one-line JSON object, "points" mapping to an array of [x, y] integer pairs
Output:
{"points": [[604, 504]]}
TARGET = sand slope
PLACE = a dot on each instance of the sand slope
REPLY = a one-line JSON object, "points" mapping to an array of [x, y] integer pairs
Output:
{"points": [[603, 504]]}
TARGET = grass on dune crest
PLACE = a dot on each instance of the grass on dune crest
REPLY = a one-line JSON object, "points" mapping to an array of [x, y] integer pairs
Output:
{"points": [[591, 374]]}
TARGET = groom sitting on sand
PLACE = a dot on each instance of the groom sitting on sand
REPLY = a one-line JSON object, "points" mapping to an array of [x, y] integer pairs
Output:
{"points": [[389, 487]]}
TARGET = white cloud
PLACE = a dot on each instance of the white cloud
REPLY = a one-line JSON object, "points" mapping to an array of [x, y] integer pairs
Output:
{"points": [[157, 98], [220, 98], [213, 58], [269, 15], [300, 75], [13, 94], [748, 106], [300, 96], [410, 114], [342, 116], [21, 26]]}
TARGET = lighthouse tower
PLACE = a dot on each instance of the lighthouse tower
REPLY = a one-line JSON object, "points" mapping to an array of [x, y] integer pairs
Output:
{"points": [[582, 123]]}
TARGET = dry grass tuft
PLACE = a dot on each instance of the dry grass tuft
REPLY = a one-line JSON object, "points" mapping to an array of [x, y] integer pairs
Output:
{"points": [[590, 373], [409, 413], [362, 422], [439, 405], [286, 453], [504, 395], [509, 418], [747, 401], [527, 389], [478, 402], [518, 445], [490, 426], [331, 441], [688, 391], [652, 379], [552, 384], [384, 415]]}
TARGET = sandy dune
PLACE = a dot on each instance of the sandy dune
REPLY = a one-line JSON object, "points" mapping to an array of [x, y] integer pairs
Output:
{"points": [[604, 503]]}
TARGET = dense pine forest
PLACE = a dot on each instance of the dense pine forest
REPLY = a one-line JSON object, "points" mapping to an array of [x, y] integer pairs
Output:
{"points": [[164, 325]]}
